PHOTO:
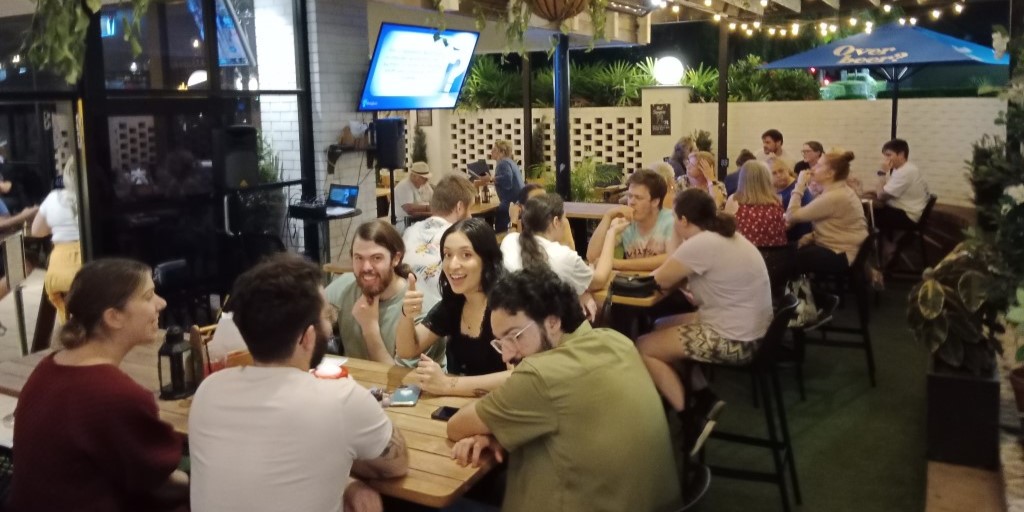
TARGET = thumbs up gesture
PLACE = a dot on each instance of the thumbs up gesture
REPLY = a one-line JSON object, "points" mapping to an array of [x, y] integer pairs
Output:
{"points": [[412, 305]]}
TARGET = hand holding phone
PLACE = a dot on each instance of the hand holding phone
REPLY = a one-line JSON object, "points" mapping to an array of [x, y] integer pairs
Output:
{"points": [[444, 413]]}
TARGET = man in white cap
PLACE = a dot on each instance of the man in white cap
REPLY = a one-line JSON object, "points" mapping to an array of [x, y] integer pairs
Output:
{"points": [[413, 195]]}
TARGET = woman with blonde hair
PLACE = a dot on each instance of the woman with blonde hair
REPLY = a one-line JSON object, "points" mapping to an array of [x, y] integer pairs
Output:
{"points": [[700, 173], [508, 180], [664, 169], [58, 216], [758, 211]]}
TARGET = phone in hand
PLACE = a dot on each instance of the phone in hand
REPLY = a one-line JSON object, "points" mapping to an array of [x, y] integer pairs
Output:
{"points": [[405, 396], [444, 413]]}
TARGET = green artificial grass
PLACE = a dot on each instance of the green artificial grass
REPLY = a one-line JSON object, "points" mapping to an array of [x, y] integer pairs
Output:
{"points": [[857, 448]]}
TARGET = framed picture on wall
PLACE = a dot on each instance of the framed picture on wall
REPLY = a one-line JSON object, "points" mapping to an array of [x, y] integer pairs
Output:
{"points": [[424, 117]]}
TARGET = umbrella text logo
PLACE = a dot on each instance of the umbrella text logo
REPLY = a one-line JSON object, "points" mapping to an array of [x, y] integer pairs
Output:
{"points": [[852, 55]]}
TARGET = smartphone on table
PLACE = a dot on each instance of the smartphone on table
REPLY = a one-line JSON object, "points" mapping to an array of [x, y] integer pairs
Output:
{"points": [[405, 396], [444, 413]]}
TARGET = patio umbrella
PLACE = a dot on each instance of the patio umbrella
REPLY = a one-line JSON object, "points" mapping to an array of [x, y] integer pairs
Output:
{"points": [[894, 50]]}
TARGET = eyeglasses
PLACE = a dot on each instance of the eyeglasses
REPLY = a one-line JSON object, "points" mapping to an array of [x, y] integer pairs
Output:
{"points": [[498, 343]]}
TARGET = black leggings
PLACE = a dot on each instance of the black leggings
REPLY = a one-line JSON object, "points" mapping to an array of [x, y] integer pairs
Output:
{"points": [[815, 259]]}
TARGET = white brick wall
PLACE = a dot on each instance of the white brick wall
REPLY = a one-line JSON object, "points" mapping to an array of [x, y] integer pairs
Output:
{"points": [[338, 62], [940, 132]]}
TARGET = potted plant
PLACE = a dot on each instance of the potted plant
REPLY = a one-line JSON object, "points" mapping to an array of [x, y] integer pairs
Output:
{"points": [[1015, 317], [956, 312], [264, 211], [516, 15]]}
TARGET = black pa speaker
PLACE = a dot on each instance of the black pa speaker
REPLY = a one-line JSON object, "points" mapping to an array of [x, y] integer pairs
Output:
{"points": [[235, 157], [390, 142]]}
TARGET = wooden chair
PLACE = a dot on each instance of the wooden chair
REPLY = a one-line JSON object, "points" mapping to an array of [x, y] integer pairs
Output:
{"points": [[200, 338]]}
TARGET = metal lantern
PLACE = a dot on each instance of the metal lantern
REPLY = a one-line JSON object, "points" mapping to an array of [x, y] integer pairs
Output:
{"points": [[174, 366]]}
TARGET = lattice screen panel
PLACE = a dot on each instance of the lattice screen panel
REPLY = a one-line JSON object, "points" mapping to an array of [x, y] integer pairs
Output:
{"points": [[612, 139], [63, 140], [132, 143]]}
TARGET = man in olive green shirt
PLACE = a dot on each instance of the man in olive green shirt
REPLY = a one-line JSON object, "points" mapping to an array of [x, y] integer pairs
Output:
{"points": [[581, 421]]}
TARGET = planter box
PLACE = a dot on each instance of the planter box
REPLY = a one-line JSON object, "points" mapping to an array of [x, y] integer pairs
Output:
{"points": [[963, 419]]}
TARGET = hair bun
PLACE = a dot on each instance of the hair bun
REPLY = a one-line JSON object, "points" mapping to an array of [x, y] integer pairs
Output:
{"points": [[848, 156]]}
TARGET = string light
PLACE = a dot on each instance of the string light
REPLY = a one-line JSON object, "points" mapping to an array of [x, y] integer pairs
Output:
{"points": [[887, 8], [833, 28], [732, 26], [869, 24], [936, 14], [750, 32], [782, 32], [958, 8], [764, 3], [757, 24], [675, 9], [823, 26], [795, 28], [718, 17], [743, 26], [707, 3], [853, 22], [913, 20], [771, 31], [902, 21], [867, 30]]}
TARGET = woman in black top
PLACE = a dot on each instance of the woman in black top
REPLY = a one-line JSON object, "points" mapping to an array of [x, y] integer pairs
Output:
{"points": [[472, 264]]}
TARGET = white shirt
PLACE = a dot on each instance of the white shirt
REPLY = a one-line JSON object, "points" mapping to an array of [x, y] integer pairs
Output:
{"points": [[276, 438], [564, 261], [423, 255], [730, 284], [62, 221], [407, 193], [908, 189]]}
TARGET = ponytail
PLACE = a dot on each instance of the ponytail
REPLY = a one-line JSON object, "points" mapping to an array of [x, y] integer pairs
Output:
{"points": [[538, 214], [73, 334], [723, 224]]}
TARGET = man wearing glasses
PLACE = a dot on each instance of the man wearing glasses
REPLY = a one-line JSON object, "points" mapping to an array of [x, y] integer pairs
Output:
{"points": [[581, 422]]}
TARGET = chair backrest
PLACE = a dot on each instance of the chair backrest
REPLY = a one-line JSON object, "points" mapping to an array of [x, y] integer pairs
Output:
{"points": [[772, 339], [927, 212], [780, 263], [868, 245]]}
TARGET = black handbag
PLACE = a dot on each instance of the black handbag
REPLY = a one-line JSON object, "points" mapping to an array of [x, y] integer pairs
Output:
{"points": [[633, 286]]}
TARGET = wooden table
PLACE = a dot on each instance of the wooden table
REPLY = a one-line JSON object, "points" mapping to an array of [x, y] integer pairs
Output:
{"points": [[434, 479], [589, 211], [383, 192]]}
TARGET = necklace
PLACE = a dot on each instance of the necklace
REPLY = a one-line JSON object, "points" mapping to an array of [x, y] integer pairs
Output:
{"points": [[472, 320]]}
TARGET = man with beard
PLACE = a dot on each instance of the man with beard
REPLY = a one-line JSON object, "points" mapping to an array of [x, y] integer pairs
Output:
{"points": [[581, 421], [258, 434], [369, 300]]}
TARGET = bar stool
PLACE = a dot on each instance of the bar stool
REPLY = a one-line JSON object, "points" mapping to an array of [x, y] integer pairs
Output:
{"points": [[763, 370], [853, 280]]}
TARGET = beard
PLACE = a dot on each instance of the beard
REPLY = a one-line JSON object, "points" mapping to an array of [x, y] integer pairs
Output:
{"points": [[320, 348], [545, 345], [371, 291]]}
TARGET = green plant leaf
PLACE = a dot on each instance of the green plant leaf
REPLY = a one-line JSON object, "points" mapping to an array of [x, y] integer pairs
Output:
{"points": [[934, 333], [93, 5], [1015, 315], [1020, 295], [951, 352], [930, 299], [1019, 355], [973, 289]]}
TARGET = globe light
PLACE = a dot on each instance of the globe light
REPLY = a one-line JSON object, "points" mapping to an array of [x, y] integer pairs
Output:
{"points": [[668, 71]]}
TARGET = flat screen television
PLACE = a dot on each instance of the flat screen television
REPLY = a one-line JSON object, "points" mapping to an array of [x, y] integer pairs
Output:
{"points": [[411, 69]]}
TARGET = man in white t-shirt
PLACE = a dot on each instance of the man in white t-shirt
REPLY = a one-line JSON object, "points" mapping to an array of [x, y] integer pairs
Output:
{"points": [[413, 195], [450, 203], [902, 192], [271, 436]]}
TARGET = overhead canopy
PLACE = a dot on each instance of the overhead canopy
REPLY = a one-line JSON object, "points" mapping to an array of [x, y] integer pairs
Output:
{"points": [[892, 45]]}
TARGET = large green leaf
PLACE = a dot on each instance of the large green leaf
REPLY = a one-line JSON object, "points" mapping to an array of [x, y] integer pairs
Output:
{"points": [[930, 299], [934, 333], [973, 289], [951, 352]]}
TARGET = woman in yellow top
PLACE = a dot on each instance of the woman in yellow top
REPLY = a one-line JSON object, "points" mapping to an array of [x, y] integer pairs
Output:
{"points": [[58, 216]]}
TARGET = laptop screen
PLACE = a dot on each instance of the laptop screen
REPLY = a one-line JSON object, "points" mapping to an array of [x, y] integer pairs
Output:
{"points": [[343, 195]]}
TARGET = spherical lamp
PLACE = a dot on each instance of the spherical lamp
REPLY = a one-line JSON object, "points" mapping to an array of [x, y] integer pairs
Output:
{"points": [[668, 71]]}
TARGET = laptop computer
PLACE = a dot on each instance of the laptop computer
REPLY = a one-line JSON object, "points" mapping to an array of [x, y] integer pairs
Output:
{"points": [[478, 168], [341, 199]]}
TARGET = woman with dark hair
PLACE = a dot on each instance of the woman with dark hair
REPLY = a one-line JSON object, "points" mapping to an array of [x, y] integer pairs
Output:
{"points": [[728, 280], [543, 223], [810, 154], [836, 217], [515, 211], [86, 432], [471, 264], [681, 154]]}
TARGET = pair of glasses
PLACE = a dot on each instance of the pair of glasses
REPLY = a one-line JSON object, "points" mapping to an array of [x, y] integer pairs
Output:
{"points": [[498, 343]]}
